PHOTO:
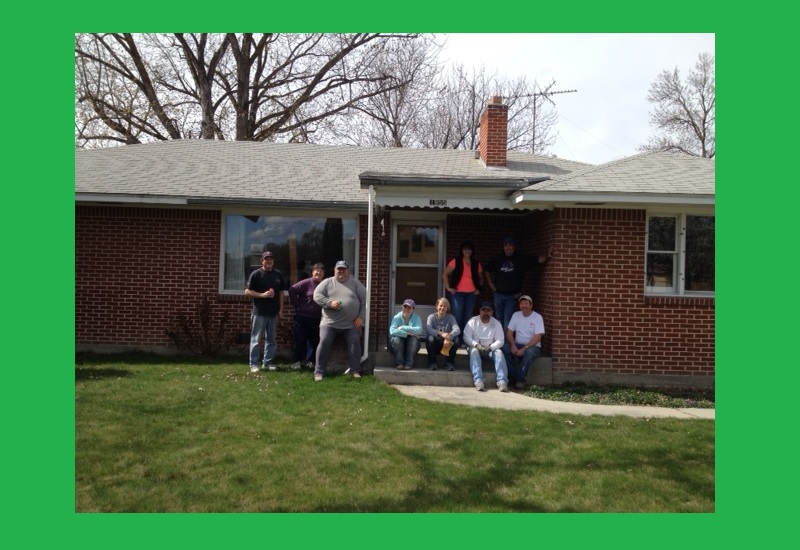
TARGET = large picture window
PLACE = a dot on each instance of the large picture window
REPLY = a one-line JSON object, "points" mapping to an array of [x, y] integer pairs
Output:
{"points": [[680, 254], [297, 242]]}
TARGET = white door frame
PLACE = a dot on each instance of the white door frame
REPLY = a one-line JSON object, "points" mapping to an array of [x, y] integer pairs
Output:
{"points": [[422, 218]]}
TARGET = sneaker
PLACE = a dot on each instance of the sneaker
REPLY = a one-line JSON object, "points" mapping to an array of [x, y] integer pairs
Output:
{"points": [[520, 385], [433, 366], [317, 377], [502, 386], [269, 367], [296, 365], [253, 368], [399, 366], [479, 386], [451, 366], [356, 375], [307, 365], [407, 367]]}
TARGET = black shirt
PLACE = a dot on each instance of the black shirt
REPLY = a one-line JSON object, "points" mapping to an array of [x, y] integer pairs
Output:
{"points": [[508, 272], [261, 281]]}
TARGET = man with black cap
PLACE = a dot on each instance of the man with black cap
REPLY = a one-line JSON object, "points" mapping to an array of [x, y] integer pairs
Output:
{"points": [[343, 300], [505, 274], [264, 286], [483, 335], [523, 341]]}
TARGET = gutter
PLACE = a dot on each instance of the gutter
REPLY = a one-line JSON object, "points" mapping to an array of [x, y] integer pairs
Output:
{"points": [[370, 179]]}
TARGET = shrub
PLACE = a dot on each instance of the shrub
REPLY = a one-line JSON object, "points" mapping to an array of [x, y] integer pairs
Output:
{"points": [[199, 334]]}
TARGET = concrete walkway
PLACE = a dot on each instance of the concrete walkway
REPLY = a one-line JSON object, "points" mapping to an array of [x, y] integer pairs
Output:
{"points": [[516, 401]]}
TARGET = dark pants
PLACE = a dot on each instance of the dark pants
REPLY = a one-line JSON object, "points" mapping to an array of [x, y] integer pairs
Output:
{"points": [[306, 331], [352, 340], [434, 345]]}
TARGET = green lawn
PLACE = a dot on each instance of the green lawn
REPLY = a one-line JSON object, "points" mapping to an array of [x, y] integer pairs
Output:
{"points": [[177, 436]]}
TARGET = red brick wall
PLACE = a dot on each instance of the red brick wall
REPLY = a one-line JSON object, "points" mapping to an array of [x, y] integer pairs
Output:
{"points": [[379, 306], [598, 319], [136, 269], [493, 134]]}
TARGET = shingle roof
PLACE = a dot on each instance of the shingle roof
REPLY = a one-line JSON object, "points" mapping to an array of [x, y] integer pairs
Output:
{"points": [[238, 170], [650, 172]]}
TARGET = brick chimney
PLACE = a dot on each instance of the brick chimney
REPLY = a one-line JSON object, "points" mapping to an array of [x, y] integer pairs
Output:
{"points": [[494, 133]]}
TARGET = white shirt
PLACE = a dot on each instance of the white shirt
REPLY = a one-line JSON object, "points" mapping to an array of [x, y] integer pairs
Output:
{"points": [[487, 334], [525, 328]]}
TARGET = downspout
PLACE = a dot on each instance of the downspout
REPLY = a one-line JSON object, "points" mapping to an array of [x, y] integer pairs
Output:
{"points": [[369, 273]]}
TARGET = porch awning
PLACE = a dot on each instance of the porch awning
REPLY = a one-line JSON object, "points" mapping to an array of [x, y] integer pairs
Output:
{"points": [[430, 191]]}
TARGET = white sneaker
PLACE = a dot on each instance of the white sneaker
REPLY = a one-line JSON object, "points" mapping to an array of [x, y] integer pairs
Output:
{"points": [[317, 377], [296, 365], [356, 375], [269, 367], [253, 368], [502, 386], [479, 386]]}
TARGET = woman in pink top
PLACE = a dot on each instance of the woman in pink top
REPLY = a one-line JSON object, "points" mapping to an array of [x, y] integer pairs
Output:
{"points": [[463, 279]]}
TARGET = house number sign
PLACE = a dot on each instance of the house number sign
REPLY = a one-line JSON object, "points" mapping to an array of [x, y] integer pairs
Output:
{"points": [[438, 202]]}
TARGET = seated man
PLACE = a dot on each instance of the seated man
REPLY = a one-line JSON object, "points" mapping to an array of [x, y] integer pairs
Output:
{"points": [[523, 341], [403, 332], [483, 335]]}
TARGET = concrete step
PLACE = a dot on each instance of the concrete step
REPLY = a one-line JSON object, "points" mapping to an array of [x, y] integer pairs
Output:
{"points": [[383, 369]]}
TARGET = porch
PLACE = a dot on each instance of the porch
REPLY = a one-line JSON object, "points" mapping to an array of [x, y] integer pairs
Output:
{"points": [[382, 363]]}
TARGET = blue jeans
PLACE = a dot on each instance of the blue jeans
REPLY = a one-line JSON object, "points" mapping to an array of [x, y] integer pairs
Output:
{"points": [[504, 307], [404, 349], [462, 303], [526, 362], [266, 325], [475, 360], [434, 345], [352, 340], [306, 335]]}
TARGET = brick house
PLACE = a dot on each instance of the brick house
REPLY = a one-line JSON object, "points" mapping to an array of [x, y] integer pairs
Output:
{"points": [[627, 298]]}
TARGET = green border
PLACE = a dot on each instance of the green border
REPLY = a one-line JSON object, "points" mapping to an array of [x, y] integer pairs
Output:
{"points": [[39, 503]]}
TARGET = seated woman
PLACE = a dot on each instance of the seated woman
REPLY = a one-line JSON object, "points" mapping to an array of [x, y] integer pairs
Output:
{"points": [[406, 326], [442, 332]]}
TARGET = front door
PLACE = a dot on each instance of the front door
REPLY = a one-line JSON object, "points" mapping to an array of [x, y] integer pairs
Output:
{"points": [[417, 265]]}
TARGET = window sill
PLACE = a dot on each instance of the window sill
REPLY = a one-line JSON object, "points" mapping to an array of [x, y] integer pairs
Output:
{"points": [[675, 300]]}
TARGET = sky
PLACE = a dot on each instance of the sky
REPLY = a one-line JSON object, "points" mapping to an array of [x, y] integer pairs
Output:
{"points": [[608, 116]]}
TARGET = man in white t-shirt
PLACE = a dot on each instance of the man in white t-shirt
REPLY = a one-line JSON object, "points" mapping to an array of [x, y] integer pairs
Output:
{"points": [[523, 341], [483, 334]]}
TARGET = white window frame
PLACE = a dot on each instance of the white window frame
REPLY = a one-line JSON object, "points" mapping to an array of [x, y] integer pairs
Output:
{"points": [[678, 287]]}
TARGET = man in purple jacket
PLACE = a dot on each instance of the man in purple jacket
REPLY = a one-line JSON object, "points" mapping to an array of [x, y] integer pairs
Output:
{"points": [[307, 316]]}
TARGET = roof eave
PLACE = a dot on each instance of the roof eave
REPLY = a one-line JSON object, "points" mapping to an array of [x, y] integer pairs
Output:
{"points": [[607, 200], [114, 198]]}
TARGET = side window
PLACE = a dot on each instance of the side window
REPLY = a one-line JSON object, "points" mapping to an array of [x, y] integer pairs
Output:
{"points": [[662, 254], [680, 254], [699, 253]]}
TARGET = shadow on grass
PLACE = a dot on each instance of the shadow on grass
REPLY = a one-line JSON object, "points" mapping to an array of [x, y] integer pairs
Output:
{"points": [[148, 358], [90, 373]]}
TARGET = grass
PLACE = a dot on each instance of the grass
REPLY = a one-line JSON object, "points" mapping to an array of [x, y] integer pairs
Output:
{"points": [[156, 435], [620, 395]]}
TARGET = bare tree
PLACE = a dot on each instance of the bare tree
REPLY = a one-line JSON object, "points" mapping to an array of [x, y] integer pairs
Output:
{"points": [[132, 88], [389, 117], [440, 108], [684, 114]]}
